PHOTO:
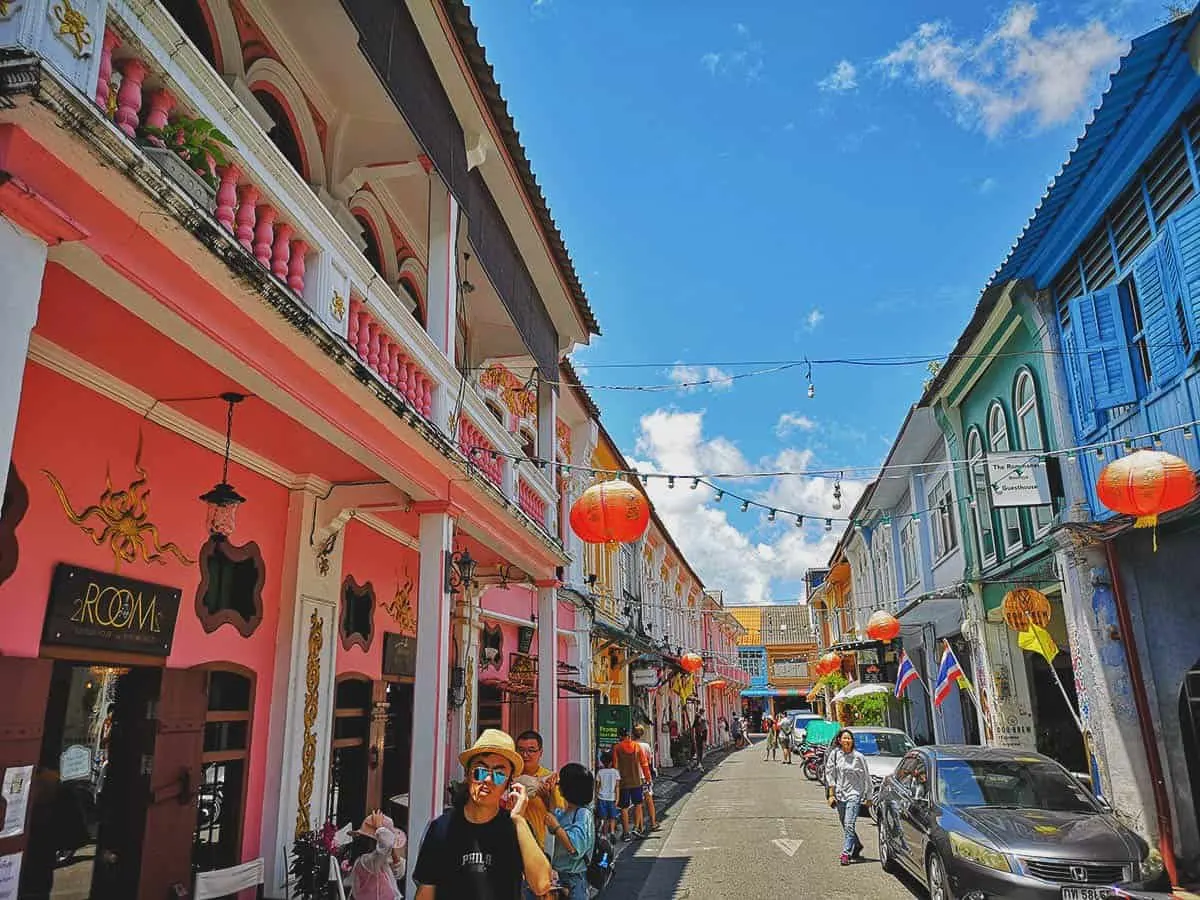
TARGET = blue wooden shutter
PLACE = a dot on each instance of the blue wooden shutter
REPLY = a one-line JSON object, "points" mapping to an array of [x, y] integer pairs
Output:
{"points": [[1082, 414], [1158, 325], [1103, 347], [1173, 288], [1183, 230]]}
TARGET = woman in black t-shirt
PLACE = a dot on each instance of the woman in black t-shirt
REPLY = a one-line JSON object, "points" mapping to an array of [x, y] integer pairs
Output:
{"points": [[477, 850]]}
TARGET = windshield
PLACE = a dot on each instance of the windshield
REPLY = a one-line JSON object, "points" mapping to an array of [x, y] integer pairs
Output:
{"points": [[881, 743], [1024, 784]]}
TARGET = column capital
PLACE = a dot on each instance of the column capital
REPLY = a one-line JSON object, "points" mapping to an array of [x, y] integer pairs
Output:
{"points": [[430, 507], [547, 583]]}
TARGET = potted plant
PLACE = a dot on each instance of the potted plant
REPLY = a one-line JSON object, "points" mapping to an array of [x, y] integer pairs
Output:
{"points": [[189, 149]]}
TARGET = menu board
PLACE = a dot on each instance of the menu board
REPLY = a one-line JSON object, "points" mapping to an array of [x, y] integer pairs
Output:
{"points": [[611, 718]]}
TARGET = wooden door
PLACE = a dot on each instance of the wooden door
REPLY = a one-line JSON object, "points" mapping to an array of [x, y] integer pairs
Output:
{"points": [[26, 686], [171, 815]]}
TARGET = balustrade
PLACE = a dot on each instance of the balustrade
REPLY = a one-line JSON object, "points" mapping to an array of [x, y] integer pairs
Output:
{"points": [[531, 502], [477, 448]]}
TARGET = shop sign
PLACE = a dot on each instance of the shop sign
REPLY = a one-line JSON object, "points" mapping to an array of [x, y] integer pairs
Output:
{"points": [[643, 678], [104, 611], [524, 638], [789, 668], [522, 672], [399, 654], [1017, 479], [871, 673], [611, 718]]}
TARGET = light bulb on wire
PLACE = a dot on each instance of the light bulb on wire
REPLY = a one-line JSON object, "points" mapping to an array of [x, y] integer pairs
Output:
{"points": [[837, 494], [695, 483], [771, 516], [670, 481], [745, 505]]}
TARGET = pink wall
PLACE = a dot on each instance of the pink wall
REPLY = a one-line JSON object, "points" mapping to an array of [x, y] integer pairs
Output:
{"points": [[371, 557], [78, 435]]}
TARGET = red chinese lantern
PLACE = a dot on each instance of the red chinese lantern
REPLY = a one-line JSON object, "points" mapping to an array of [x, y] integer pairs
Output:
{"points": [[883, 626], [611, 512], [1146, 484], [691, 663]]}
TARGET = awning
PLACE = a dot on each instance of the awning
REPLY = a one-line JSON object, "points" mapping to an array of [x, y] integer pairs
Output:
{"points": [[775, 692], [630, 639], [857, 646], [858, 689]]}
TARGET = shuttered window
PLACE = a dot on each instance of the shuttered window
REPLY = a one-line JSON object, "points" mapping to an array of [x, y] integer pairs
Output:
{"points": [[1099, 269], [1130, 225], [1103, 349], [1168, 179]]}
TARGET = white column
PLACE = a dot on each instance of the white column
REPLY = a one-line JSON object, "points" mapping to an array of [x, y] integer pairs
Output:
{"points": [[22, 264], [547, 686], [302, 689], [442, 289], [466, 625], [428, 778]]}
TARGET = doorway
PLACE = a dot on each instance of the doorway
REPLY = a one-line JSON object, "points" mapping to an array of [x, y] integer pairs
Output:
{"points": [[397, 752], [1189, 721], [89, 807]]}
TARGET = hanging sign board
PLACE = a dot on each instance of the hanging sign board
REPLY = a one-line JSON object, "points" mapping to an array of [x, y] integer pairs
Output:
{"points": [[643, 678], [1017, 479], [399, 654], [104, 611], [611, 718], [522, 672]]}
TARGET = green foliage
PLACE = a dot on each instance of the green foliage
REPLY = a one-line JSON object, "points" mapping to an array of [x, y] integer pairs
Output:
{"points": [[835, 681], [198, 142], [869, 709]]}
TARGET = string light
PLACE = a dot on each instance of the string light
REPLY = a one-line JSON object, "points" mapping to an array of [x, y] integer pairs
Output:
{"points": [[799, 521], [745, 505], [670, 481], [812, 389], [1099, 453], [695, 483], [1158, 442], [837, 494], [720, 495], [829, 524], [771, 516]]}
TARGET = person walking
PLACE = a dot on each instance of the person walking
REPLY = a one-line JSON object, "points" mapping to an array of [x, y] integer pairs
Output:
{"points": [[699, 737], [476, 850], [772, 738], [574, 831], [849, 782], [737, 732], [629, 759], [785, 738], [649, 771], [607, 780]]}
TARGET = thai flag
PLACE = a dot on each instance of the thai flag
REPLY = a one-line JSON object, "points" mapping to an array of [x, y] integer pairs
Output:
{"points": [[948, 673], [905, 675]]}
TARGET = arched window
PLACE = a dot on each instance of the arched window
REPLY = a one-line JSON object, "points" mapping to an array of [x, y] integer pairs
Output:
{"points": [[371, 251], [191, 16], [220, 797], [283, 135], [999, 442], [885, 573], [1029, 431], [981, 502]]}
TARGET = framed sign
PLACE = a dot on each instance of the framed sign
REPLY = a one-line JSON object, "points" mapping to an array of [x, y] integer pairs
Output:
{"points": [[611, 718], [522, 671], [399, 654], [524, 638], [1018, 479], [103, 611]]}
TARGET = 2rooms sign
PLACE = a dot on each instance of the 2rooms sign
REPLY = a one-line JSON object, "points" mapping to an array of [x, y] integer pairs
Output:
{"points": [[103, 611], [1017, 479]]}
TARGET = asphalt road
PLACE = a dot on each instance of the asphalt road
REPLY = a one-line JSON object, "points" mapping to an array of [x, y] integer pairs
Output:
{"points": [[751, 829]]}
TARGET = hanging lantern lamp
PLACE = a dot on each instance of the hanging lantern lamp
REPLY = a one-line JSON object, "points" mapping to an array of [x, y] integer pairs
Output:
{"points": [[222, 500], [611, 512], [883, 626], [691, 663], [1145, 484], [829, 663], [1024, 607]]}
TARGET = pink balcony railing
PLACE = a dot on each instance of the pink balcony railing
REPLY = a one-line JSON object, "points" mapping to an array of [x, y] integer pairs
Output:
{"points": [[531, 502], [273, 243], [369, 338], [477, 448]]}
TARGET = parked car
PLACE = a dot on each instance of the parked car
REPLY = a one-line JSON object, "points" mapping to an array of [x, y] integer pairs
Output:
{"points": [[800, 722], [975, 822], [883, 748]]}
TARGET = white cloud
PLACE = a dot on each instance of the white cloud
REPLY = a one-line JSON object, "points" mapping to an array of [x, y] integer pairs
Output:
{"points": [[1009, 72], [745, 59], [694, 378], [843, 78], [790, 421], [987, 185], [731, 550], [814, 318]]}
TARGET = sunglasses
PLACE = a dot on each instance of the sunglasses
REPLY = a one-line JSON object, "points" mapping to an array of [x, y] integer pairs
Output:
{"points": [[483, 773]]}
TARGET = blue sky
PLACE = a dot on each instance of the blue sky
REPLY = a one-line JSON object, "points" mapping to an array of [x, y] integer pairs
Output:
{"points": [[777, 180]]}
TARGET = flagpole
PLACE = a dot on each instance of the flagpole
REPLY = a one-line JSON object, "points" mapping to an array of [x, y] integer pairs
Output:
{"points": [[971, 684], [1062, 687]]}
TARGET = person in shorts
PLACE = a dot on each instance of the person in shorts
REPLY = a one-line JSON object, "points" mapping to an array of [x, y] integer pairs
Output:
{"points": [[647, 773], [628, 757], [607, 779]]}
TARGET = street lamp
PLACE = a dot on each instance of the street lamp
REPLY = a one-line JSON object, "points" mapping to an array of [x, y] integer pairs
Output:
{"points": [[222, 500], [460, 572]]}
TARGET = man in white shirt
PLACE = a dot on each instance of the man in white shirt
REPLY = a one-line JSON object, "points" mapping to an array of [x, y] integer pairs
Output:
{"points": [[638, 733]]}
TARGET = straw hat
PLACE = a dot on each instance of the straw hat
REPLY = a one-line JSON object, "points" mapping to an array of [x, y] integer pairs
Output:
{"points": [[493, 740], [374, 822]]}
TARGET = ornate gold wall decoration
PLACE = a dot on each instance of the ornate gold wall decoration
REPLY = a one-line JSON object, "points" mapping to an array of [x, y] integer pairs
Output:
{"points": [[520, 402], [338, 306], [400, 606], [469, 696], [72, 27], [121, 519], [8, 7], [312, 686], [563, 433]]}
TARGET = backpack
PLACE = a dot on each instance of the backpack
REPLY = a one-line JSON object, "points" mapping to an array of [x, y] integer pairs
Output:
{"points": [[601, 863]]}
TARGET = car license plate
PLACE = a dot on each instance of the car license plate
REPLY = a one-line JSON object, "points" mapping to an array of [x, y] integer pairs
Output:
{"points": [[1084, 893]]}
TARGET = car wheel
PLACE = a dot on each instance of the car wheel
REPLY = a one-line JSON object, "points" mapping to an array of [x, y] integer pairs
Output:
{"points": [[936, 878], [886, 859]]}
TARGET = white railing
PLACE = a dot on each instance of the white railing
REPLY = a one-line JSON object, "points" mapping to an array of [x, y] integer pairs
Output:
{"points": [[299, 240]]}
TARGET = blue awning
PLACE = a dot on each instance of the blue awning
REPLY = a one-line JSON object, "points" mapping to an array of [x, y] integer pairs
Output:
{"points": [[775, 692]]}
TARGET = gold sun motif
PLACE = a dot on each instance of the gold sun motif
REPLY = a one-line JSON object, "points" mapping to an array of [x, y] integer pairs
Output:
{"points": [[121, 519]]}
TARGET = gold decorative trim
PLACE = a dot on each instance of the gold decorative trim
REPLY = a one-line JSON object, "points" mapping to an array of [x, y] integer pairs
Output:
{"points": [[8, 8], [400, 606], [122, 519], [338, 306], [312, 686], [520, 402], [468, 736], [72, 27]]}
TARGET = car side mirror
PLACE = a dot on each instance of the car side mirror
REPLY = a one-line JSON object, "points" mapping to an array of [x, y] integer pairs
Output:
{"points": [[1103, 803]]}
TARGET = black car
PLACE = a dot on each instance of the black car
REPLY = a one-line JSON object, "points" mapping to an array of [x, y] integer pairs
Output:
{"points": [[980, 822]]}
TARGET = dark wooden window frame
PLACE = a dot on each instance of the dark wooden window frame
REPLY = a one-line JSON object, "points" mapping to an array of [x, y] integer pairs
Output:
{"points": [[211, 621]]}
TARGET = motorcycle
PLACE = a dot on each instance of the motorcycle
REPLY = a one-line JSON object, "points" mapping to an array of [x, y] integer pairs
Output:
{"points": [[814, 763]]}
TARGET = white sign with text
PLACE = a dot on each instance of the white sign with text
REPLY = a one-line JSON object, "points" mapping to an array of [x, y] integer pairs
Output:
{"points": [[1018, 479]]}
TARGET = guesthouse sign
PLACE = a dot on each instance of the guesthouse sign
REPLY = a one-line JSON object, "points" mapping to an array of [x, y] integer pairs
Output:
{"points": [[1018, 479], [104, 611]]}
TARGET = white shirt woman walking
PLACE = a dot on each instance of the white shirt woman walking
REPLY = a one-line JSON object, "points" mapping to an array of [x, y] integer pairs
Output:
{"points": [[848, 783]]}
